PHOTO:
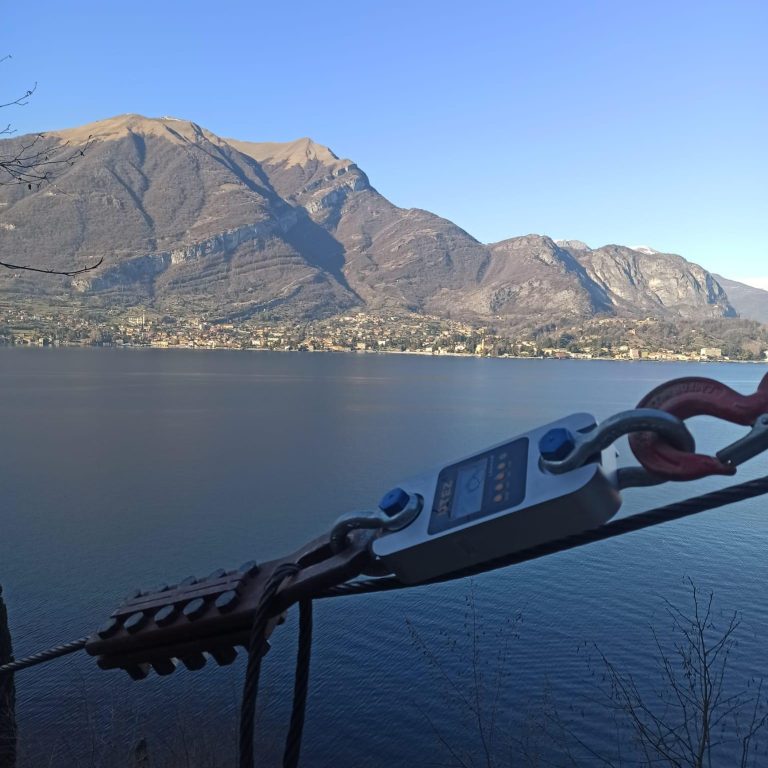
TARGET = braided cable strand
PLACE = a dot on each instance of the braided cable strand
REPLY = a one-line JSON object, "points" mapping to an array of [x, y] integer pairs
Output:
{"points": [[253, 668], [48, 655], [300, 687], [667, 513]]}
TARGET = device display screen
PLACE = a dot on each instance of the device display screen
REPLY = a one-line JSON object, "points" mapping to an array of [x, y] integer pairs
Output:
{"points": [[482, 485], [468, 497]]}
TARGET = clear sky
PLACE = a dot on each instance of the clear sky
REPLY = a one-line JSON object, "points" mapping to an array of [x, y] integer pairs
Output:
{"points": [[611, 121]]}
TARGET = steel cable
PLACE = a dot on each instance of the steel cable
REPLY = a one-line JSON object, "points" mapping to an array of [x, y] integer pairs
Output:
{"points": [[255, 655], [679, 509], [730, 495], [48, 655], [300, 687]]}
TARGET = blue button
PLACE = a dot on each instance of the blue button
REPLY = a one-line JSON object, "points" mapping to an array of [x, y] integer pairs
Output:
{"points": [[394, 501], [557, 444]]}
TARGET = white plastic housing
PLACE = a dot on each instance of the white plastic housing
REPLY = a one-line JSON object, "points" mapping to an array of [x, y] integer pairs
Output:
{"points": [[553, 507]]}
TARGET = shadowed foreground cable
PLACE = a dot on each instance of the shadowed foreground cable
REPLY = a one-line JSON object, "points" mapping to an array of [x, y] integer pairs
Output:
{"points": [[48, 655], [300, 687], [255, 654]]}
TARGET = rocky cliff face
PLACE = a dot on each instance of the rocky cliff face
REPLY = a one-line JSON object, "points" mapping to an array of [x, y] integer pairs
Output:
{"points": [[653, 283], [534, 278], [182, 219], [750, 303], [186, 220]]}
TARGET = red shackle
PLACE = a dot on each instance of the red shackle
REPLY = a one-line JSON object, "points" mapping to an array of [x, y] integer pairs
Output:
{"points": [[694, 396]]}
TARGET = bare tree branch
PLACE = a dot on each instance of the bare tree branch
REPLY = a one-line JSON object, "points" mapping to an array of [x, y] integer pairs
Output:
{"points": [[33, 161], [21, 101], [43, 270], [34, 165]]}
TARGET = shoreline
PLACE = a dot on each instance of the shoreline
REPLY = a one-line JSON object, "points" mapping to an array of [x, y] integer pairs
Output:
{"points": [[415, 353]]}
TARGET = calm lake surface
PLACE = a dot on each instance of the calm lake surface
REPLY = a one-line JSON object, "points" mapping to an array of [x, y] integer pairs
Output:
{"points": [[129, 468]]}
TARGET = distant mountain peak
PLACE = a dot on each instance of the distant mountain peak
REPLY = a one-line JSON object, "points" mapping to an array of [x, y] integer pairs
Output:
{"points": [[288, 153], [644, 249], [576, 245], [174, 129]]}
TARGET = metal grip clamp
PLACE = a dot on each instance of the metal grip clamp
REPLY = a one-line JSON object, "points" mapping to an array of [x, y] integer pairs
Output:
{"points": [[201, 618]]}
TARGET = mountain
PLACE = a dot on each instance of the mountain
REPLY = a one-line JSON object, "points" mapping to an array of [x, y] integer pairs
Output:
{"points": [[182, 219], [654, 283], [750, 303], [533, 277], [188, 221]]}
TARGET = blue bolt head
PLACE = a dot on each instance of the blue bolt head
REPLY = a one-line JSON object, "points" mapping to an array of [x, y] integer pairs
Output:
{"points": [[556, 444], [394, 501]]}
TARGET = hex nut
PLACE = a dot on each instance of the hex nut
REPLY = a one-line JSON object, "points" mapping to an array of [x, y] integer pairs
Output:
{"points": [[166, 615], [223, 655], [135, 622], [226, 600], [108, 628], [557, 444], [194, 609], [164, 666], [194, 661], [137, 671]]}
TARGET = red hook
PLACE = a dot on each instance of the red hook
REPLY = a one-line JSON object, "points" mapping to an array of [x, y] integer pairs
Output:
{"points": [[687, 397]]}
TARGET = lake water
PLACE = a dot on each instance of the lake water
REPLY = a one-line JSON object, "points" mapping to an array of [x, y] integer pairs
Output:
{"points": [[127, 468]]}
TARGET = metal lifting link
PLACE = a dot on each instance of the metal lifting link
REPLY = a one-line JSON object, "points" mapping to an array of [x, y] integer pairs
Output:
{"points": [[607, 432], [694, 396], [396, 510]]}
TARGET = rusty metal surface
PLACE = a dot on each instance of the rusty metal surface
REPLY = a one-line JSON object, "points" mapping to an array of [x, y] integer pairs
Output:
{"points": [[197, 619]]}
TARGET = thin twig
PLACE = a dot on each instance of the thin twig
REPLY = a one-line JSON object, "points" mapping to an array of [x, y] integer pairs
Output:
{"points": [[45, 271]]}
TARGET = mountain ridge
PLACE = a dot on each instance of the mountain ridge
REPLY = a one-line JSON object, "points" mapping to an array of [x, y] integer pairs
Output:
{"points": [[751, 302], [187, 219]]}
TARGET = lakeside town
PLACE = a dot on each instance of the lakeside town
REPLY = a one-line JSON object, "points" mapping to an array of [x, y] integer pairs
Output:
{"points": [[357, 332]]}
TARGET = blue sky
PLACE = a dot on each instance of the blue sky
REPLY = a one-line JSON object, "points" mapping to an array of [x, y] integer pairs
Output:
{"points": [[617, 121]]}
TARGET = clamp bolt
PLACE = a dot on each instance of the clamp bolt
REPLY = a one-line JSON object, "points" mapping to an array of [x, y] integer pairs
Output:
{"points": [[194, 609], [137, 671], [164, 666], [194, 661], [108, 628], [166, 615], [224, 655], [135, 622], [557, 444], [226, 600]]}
